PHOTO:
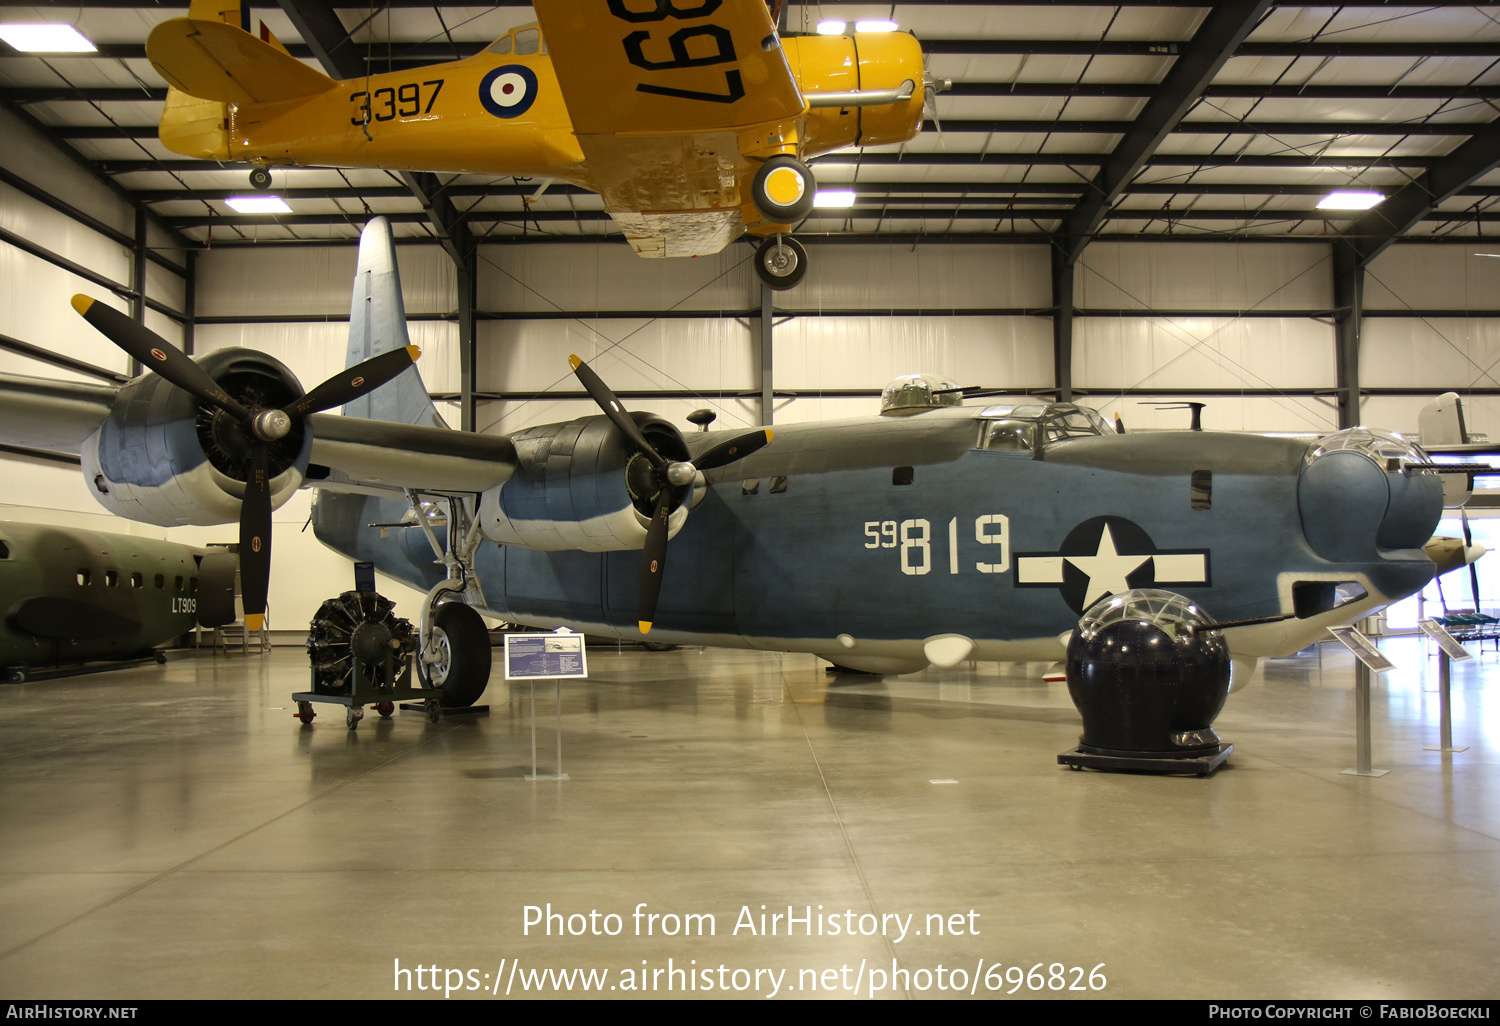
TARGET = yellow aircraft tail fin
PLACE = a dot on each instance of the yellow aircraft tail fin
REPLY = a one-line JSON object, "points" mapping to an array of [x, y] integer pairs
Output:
{"points": [[269, 38], [194, 127], [215, 61]]}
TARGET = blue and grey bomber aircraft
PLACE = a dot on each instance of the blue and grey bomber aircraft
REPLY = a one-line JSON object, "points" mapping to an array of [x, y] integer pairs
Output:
{"points": [[930, 534]]}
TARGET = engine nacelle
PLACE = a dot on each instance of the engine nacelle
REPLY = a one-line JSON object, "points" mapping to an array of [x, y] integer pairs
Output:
{"points": [[869, 62], [162, 457], [582, 485]]}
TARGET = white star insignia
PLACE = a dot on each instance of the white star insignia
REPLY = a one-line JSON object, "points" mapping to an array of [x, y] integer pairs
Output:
{"points": [[1106, 569]]}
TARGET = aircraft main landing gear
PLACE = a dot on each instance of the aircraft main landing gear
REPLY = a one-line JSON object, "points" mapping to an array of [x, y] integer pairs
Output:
{"points": [[457, 659], [780, 261], [782, 190]]}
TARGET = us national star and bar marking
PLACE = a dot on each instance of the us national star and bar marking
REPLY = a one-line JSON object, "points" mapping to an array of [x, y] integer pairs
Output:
{"points": [[1107, 556]]}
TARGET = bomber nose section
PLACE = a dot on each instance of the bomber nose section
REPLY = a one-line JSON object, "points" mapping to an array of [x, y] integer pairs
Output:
{"points": [[1362, 493]]}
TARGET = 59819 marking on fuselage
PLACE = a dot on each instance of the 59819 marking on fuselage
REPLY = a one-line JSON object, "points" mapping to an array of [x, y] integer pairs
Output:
{"points": [[914, 539]]}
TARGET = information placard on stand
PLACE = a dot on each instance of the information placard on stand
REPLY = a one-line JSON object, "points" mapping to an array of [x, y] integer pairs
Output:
{"points": [[556, 657], [545, 657], [1448, 650], [1368, 660]]}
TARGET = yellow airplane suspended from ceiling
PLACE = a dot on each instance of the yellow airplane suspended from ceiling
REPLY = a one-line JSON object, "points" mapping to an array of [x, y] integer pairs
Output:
{"points": [[692, 119]]}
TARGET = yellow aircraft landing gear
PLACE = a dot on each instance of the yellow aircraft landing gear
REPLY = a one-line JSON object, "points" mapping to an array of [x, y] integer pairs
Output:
{"points": [[782, 190], [260, 178], [780, 261]]}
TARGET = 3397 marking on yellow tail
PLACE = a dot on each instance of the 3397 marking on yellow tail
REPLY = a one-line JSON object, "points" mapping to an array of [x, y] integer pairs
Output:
{"points": [[391, 102]]}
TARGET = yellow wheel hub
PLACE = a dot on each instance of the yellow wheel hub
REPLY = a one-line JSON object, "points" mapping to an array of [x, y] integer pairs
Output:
{"points": [[784, 186]]}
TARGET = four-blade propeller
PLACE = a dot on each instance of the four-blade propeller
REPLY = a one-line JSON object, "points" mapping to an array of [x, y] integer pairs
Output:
{"points": [[672, 478], [262, 426]]}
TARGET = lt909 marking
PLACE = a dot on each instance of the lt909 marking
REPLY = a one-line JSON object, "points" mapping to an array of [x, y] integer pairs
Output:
{"points": [[914, 539]]}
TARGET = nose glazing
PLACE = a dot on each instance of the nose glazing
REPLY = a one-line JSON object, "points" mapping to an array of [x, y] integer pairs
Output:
{"points": [[1360, 494]]}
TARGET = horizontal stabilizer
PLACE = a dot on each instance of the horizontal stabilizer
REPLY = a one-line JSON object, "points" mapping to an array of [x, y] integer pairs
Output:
{"points": [[214, 61]]}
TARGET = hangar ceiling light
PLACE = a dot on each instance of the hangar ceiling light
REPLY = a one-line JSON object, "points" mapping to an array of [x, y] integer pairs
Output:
{"points": [[258, 205], [46, 39], [1348, 200], [833, 198], [875, 26], [832, 27]]}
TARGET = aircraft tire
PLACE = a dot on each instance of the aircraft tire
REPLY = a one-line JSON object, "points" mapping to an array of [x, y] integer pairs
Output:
{"points": [[781, 262], [260, 178], [463, 672], [782, 190]]}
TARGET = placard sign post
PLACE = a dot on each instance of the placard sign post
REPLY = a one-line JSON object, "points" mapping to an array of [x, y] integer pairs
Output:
{"points": [[1367, 660], [1448, 650], [556, 657]]}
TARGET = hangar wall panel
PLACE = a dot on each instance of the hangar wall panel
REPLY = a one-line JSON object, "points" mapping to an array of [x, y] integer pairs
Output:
{"points": [[29, 156], [1293, 414], [1399, 413], [662, 353], [868, 352], [1202, 352], [928, 277], [315, 351], [314, 280], [35, 307], [1434, 277], [512, 415], [60, 234], [1438, 352], [165, 287], [808, 408], [1203, 276], [164, 245], [579, 278]]}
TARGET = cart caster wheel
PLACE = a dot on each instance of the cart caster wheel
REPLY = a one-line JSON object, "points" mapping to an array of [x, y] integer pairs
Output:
{"points": [[354, 714], [434, 710], [304, 713], [385, 709], [260, 178], [1075, 767]]}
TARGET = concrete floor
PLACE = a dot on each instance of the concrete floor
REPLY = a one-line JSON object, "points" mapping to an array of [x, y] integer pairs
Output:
{"points": [[172, 832]]}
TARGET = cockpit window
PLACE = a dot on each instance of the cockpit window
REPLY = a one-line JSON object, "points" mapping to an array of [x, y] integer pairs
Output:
{"points": [[1007, 434], [1015, 427], [528, 40], [1073, 422], [521, 41]]}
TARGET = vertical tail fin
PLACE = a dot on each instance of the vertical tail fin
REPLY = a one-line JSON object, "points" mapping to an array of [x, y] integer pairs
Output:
{"points": [[1441, 421], [377, 324]]}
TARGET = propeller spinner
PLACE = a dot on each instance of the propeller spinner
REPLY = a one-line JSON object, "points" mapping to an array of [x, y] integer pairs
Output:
{"points": [[672, 478], [262, 426]]}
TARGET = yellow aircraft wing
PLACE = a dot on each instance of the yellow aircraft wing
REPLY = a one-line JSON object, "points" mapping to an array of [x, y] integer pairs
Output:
{"points": [[665, 97], [215, 61], [668, 66]]}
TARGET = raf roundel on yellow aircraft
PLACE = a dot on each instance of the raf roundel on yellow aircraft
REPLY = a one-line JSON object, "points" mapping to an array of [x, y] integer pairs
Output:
{"points": [[692, 119]]}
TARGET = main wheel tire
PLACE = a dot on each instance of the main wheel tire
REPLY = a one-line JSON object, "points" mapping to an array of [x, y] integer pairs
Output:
{"points": [[782, 190], [463, 667], [781, 262], [260, 178]]}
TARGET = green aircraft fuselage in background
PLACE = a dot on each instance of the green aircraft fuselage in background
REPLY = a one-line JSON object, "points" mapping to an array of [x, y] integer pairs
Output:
{"points": [[69, 596]]}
